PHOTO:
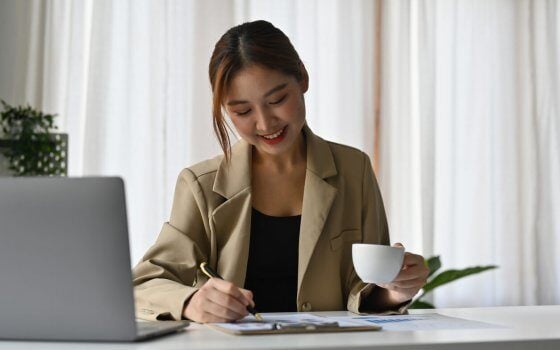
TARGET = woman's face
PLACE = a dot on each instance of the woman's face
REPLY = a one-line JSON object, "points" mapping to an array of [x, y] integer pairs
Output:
{"points": [[267, 108]]}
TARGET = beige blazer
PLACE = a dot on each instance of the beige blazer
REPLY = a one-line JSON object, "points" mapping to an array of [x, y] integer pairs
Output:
{"points": [[211, 220]]}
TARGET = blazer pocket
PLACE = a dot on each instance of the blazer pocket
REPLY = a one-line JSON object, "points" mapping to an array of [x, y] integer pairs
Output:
{"points": [[346, 237]]}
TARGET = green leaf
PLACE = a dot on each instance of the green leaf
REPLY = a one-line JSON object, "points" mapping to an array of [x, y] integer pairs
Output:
{"points": [[433, 263], [420, 304], [32, 146], [452, 275]]}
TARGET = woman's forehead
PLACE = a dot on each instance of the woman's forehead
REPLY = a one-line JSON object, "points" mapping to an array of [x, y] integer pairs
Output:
{"points": [[256, 81]]}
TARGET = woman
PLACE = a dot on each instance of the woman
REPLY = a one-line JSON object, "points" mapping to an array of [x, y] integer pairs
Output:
{"points": [[277, 214]]}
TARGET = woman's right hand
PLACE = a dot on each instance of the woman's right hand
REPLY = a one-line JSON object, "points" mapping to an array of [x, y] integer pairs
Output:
{"points": [[218, 301]]}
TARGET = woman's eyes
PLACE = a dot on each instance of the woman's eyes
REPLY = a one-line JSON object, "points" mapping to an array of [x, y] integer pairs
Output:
{"points": [[245, 112], [279, 100]]}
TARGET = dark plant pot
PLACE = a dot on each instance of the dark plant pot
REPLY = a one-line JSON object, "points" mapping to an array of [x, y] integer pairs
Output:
{"points": [[53, 163]]}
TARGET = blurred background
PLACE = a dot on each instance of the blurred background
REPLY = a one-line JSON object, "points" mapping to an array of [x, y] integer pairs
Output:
{"points": [[456, 102]]}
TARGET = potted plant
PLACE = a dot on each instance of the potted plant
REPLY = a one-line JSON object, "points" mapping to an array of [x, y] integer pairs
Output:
{"points": [[28, 144], [442, 278]]}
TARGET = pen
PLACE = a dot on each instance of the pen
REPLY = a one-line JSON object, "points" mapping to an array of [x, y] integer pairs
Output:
{"points": [[208, 271]]}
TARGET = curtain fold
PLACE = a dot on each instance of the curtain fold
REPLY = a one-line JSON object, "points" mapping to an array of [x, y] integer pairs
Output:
{"points": [[469, 150], [129, 82], [469, 142], [544, 79]]}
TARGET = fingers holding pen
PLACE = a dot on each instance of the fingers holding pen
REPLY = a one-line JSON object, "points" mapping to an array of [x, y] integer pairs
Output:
{"points": [[218, 301], [248, 296], [232, 296]]}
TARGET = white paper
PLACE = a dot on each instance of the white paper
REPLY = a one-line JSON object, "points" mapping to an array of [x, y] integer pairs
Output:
{"points": [[250, 323], [249, 326], [416, 322]]}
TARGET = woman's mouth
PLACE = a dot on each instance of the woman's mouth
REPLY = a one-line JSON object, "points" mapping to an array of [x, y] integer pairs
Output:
{"points": [[276, 137]]}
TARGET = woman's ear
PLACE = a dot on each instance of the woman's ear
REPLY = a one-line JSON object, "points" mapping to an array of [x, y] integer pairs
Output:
{"points": [[304, 82]]}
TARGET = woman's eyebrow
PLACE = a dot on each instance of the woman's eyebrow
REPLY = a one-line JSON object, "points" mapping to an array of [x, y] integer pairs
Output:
{"points": [[274, 89], [269, 92]]}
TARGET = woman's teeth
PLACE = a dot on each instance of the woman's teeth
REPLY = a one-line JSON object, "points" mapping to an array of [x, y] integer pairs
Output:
{"points": [[273, 136]]}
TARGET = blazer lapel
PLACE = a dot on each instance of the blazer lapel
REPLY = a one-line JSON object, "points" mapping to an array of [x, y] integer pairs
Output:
{"points": [[318, 197], [232, 219]]}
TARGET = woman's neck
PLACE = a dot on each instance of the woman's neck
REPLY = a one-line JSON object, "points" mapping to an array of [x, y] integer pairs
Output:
{"points": [[285, 162]]}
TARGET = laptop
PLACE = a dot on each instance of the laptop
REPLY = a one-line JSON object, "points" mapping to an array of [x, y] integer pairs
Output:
{"points": [[65, 271]]}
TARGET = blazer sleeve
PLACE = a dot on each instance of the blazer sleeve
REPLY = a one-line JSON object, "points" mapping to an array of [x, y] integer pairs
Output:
{"points": [[167, 276], [375, 230]]}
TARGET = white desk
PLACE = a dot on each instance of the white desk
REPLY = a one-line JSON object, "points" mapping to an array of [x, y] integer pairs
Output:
{"points": [[527, 327]]}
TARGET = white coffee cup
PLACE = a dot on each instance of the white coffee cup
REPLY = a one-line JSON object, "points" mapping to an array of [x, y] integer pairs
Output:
{"points": [[376, 263]]}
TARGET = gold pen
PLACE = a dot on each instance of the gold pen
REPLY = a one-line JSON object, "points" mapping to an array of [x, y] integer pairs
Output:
{"points": [[208, 271]]}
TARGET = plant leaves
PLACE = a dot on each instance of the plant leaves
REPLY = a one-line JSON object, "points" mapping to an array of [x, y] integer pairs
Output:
{"points": [[33, 149], [420, 304], [452, 275], [433, 263]]}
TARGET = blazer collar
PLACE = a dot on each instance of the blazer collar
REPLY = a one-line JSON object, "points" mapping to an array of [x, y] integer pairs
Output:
{"points": [[318, 197], [233, 182], [235, 177], [320, 160]]}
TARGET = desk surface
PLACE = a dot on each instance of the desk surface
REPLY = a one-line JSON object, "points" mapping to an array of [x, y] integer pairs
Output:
{"points": [[525, 326]]}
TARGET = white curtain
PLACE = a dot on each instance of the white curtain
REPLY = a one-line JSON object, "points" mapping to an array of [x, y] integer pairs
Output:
{"points": [[470, 155], [129, 81]]}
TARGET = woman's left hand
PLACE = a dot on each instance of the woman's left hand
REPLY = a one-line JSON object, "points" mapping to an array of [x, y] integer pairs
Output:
{"points": [[409, 281]]}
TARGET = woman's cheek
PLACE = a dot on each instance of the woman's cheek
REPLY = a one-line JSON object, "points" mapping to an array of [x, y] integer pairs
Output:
{"points": [[243, 127]]}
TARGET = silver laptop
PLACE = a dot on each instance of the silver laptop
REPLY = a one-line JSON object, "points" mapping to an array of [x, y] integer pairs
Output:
{"points": [[65, 262]]}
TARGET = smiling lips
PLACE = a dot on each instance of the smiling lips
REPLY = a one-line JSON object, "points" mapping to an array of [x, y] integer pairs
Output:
{"points": [[275, 138]]}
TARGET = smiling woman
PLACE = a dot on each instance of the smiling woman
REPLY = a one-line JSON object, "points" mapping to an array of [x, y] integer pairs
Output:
{"points": [[266, 51], [267, 107], [277, 214], [468, 95]]}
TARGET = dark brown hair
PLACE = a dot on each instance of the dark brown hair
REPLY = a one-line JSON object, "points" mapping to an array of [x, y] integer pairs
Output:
{"points": [[251, 43]]}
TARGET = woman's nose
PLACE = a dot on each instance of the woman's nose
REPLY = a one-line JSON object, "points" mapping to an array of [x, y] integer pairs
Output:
{"points": [[265, 121]]}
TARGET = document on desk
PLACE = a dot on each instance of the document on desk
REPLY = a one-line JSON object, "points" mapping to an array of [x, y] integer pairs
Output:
{"points": [[292, 323], [416, 322]]}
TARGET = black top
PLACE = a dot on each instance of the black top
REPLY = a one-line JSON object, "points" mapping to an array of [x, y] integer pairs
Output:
{"points": [[273, 262]]}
